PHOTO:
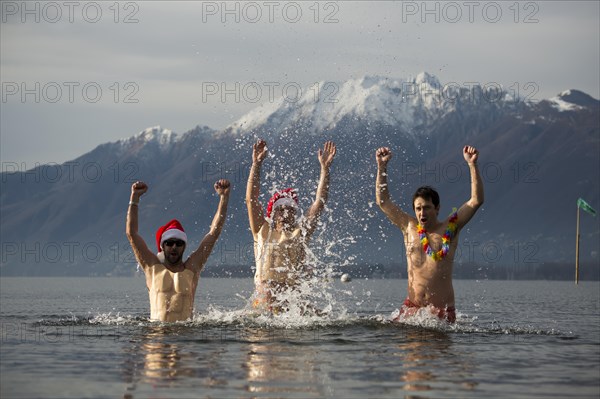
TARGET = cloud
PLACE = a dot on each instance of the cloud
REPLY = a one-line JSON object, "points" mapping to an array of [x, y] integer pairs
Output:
{"points": [[172, 48]]}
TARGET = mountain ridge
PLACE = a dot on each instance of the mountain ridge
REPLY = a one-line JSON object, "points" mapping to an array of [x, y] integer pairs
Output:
{"points": [[528, 149]]}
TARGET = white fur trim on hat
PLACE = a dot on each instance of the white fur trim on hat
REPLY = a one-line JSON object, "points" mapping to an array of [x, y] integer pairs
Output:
{"points": [[285, 201], [173, 233]]}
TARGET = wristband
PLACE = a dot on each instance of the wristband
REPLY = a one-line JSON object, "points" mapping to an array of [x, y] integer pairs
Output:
{"points": [[134, 203]]}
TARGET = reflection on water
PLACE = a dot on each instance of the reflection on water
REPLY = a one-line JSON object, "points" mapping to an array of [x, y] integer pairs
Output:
{"points": [[430, 361], [417, 353], [164, 363], [158, 358], [498, 351], [363, 360], [280, 368]]}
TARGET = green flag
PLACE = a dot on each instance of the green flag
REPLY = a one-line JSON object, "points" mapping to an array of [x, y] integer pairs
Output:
{"points": [[585, 206]]}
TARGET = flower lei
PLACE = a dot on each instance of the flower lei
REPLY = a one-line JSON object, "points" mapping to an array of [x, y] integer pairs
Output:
{"points": [[448, 235]]}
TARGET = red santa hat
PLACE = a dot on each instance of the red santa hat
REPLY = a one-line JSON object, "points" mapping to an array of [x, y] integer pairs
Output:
{"points": [[173, 229], [285, 197]]}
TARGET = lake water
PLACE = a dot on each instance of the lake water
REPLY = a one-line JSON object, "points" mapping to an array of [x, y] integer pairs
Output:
{"points": [[90, 337]]}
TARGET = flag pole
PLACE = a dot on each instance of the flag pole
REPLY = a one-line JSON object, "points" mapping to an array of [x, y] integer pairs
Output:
{"points": [[577, 250]]}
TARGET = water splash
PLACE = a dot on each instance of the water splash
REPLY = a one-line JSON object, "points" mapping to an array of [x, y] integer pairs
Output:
{"points": [[340, 320]]}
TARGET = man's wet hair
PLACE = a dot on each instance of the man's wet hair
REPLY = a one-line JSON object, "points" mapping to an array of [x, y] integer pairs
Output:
{"points": [[427, 193]]}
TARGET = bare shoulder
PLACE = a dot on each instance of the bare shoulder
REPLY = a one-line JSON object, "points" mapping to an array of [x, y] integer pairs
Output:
{"points": [[146, 259], [411, 223], [397, 216], [263, 231], [194, 267]]}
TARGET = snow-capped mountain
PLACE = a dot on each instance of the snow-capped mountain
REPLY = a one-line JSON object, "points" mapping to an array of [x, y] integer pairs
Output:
{"points": [[162, 137], [410, 104], [536, 159]]}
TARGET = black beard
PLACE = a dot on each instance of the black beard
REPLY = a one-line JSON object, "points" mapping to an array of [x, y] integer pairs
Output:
{"points": [[177, 260]]}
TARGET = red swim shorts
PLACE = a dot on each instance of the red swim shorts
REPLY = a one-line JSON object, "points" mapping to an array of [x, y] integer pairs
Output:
{"points": [[409, 308]]}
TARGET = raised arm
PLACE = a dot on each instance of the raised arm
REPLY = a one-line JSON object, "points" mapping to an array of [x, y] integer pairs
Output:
{"points": [[143, 254], [198, 258], [325, 156], [468, 209], [255, 211], [382, 192]]}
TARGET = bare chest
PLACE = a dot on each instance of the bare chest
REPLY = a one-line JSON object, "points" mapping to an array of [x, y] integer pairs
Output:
{"points": [[162, 280], [413, 244], [431, 252]]}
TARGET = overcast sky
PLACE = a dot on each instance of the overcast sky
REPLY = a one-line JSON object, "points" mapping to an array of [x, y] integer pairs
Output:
{"points": [[79, 74]]}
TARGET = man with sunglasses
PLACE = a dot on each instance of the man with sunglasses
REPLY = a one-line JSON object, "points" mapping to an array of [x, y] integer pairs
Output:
{"points": [[172, 282]]}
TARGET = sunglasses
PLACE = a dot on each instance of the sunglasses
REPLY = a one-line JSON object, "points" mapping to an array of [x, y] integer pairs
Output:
{"points": [[178, 243]]}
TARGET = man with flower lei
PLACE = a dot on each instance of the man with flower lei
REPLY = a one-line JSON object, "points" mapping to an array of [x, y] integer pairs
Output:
{"points": [[430, 243]]}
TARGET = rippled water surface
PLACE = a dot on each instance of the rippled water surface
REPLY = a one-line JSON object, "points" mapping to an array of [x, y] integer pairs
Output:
{"points": [[90, 337]]}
